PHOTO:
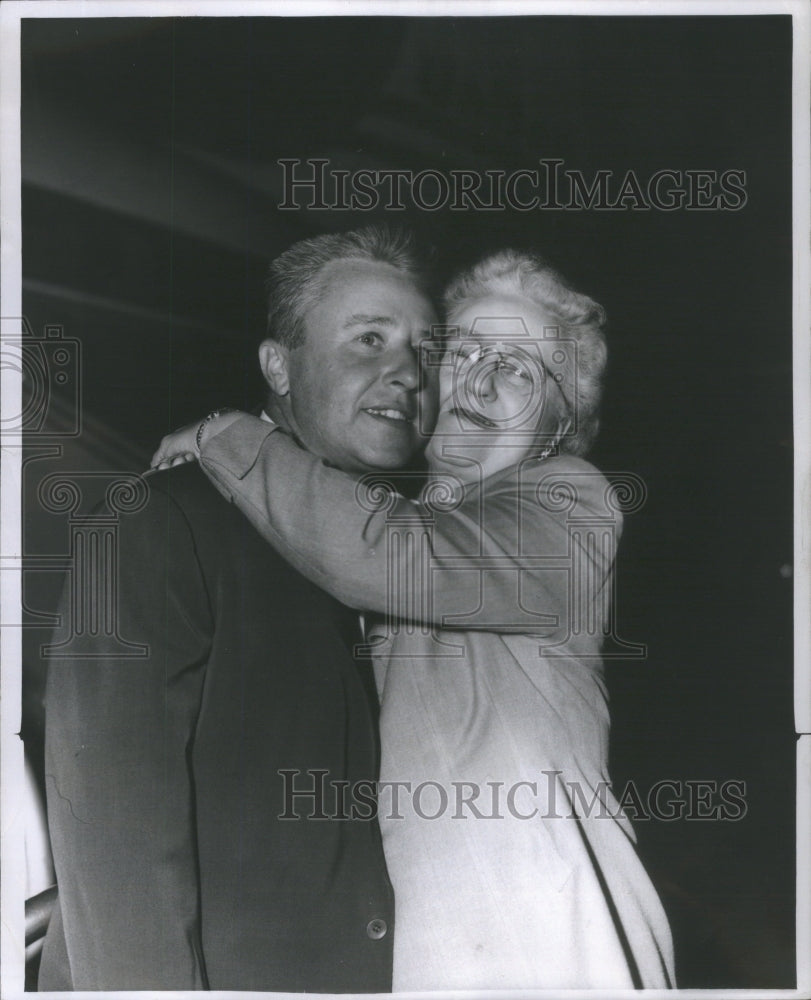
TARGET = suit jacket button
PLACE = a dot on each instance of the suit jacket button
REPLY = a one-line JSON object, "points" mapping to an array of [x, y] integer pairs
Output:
{"points": [[376, 929]]}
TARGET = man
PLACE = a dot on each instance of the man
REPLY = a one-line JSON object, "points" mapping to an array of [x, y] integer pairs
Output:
{"points": [[168, 777]]}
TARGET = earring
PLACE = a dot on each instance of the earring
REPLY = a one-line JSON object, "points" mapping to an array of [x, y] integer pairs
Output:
{"points": [[551, 449]]}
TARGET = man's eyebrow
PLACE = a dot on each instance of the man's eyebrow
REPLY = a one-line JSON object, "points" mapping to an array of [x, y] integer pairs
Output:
{"points": [[362, 319]]}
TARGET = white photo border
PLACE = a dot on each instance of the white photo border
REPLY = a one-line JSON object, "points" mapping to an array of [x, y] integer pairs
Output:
{"points": [[11, 749]]}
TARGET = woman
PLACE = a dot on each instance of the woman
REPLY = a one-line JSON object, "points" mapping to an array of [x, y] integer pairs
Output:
{"points": [[512, 863]]}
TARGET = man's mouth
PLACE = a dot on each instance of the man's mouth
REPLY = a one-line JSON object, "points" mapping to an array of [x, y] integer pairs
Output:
{"points": [[474, 418], [390, 413]]}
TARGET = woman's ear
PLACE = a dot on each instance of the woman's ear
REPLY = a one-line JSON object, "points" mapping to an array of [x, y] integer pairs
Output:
{"points": [[273, 362]]}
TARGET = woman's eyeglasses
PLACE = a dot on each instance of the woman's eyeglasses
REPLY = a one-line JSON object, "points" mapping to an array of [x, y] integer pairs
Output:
{"points": [[512, 366]]}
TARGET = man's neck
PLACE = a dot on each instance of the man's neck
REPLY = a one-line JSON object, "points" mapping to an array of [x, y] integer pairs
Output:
{"points": [[276, 412]]}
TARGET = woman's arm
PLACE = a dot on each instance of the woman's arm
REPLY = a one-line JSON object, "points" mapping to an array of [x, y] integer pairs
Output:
{"points": [[502, 562], [183, 445]]}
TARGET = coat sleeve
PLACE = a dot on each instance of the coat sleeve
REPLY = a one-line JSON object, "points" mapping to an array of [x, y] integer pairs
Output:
{"points": [[119, 733], [503, 562]]}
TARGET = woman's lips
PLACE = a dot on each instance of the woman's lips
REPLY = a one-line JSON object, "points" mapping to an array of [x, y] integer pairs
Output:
{"points": [[478, 419]]}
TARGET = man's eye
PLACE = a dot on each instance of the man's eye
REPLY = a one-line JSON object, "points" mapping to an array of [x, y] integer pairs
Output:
{"points": [[370, 338]]}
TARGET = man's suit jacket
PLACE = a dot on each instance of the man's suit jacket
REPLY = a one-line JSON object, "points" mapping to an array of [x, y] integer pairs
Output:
{"points": [[175, 869]]}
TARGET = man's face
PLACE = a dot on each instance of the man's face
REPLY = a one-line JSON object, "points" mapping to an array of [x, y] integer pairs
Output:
{"points": [[356, 394]]}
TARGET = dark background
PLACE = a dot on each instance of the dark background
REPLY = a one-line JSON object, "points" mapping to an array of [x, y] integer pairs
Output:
{"points": [[150, 187]]}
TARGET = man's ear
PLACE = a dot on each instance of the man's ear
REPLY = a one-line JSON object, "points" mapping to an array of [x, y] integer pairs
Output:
{"points": [[273, 362]]}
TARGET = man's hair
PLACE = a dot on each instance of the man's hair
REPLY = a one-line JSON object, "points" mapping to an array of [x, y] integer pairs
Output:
{"points": [[580, 319], [296, 277]]}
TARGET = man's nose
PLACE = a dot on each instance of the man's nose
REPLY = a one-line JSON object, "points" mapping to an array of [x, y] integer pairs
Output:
{"points": [[404, 368]]}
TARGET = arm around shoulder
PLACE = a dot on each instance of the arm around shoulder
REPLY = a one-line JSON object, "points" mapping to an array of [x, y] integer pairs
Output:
{"points": [[500, 546]]}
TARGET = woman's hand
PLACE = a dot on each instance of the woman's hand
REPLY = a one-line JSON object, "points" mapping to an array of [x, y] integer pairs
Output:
{"points": [[184, 445], [176, 448]]}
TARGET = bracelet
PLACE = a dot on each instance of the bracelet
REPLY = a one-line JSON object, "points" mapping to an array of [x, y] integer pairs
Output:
{"points": [[207, 420]]}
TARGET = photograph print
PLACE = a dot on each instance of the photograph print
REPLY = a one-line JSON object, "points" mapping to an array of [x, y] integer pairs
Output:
{"points": [[402, 465]]}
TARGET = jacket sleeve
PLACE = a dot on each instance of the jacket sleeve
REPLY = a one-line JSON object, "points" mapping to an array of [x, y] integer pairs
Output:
{"points": [[119, 733], [501, 562]]}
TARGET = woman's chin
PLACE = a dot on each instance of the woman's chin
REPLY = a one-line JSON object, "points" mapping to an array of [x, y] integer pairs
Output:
{"points": [[452, 460], [467, 468]]}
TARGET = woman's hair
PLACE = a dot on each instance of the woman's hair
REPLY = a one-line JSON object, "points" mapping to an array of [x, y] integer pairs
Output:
{"points": [[581, 320], [295, 278]]}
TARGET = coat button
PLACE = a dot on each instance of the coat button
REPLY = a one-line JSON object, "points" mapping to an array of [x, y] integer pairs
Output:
{"points": [[376, 929]]}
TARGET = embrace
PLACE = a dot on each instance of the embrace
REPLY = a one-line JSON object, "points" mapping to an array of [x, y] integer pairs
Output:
{"points": [[329, 627]]}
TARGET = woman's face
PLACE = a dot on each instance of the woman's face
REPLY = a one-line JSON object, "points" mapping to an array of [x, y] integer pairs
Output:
{"points": [[500, 400]]}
